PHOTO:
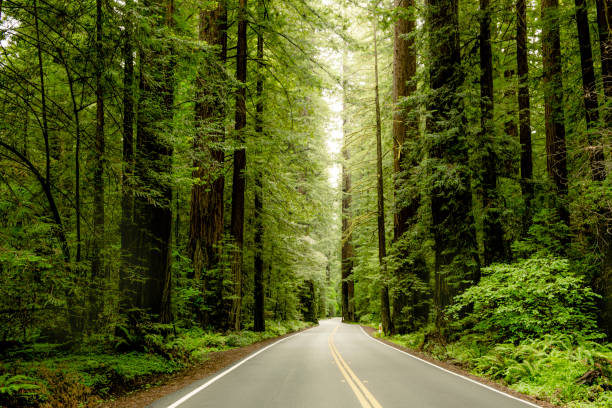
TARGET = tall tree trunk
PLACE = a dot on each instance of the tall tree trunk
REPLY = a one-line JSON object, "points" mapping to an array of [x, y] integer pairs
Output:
{"points": [[259, 323], [206, 215], [604, 23], [46, 180], [495, 248], [524, 113], [238, 180], [95, 296], [347, 283], [589, 88], [385, 312], [456, 251], [153, 213], [603, 283], [127, 183], [556, 153], [405, 131]]}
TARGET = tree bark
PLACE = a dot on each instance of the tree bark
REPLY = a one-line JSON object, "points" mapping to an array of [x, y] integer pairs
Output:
{"points": [[456, 251], [347, 284], [153, 213], [405, 132], [495, 248], [556, 153], [97, 268], [589, 88], [259, 323], [604, 13], [127, 183], [238, 179], [385, 309], [206, 215], [524, 113]]}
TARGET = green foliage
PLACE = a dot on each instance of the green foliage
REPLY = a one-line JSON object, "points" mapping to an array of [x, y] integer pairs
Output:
{"points": [[17, 384], [44, 378], [547, 236], [528, 299]]}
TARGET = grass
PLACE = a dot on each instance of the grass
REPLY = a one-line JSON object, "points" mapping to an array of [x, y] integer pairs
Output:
{"points": [[43, 376]]}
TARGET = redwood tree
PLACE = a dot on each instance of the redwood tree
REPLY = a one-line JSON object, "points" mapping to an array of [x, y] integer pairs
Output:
{"points": [[206, 214], [238, 179]]}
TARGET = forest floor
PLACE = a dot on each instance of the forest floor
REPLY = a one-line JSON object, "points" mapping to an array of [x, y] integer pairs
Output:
{"points": [[48, 375], [167, 384], [447, 365]]}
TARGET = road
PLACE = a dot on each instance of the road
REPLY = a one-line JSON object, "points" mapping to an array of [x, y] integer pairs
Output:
{"points": [[336, 365]]}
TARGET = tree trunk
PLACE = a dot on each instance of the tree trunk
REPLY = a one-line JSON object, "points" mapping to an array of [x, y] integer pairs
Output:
{"points": [[603, 283], [259, 323], [206, 215], [495, 248], [238, 180], [589, 88], [405, 131], [347, 284], [456, 251], [524, 113], [97, 268], [127, 192], [556, 153], [153, 213], [604, 13], [46, 180], [385, 312]]}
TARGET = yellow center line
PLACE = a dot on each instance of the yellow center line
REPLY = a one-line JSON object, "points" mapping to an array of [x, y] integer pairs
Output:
{"points": [[365, 397]]}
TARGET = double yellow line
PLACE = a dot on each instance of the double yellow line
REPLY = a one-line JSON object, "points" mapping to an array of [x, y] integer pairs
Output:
{"points": [[365, 397]]}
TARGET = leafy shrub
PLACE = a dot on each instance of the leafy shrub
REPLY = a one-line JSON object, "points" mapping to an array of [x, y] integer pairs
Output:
{"points": [[18, 387], [527, 299]]}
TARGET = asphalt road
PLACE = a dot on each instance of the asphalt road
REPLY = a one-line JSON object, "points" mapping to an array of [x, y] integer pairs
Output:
{"points": [[336, 365]]}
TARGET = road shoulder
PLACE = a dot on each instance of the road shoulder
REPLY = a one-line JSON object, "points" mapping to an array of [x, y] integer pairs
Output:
{"points": [[168, 384], [370, 331]]}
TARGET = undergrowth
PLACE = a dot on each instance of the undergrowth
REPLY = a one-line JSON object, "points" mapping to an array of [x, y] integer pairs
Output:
{"points": [[538, 338], [48, 376]]}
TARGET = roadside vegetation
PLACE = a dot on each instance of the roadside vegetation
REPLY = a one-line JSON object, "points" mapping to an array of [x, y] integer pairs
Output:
{"points": [[530, 326], [48, 375]]}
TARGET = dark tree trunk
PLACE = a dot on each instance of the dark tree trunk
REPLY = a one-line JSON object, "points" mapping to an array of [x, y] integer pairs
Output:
{"points": [[552, 79], [527, 187], [524, 113], [604, 13], [495, 248], [259, 323], [589, 88], [206, 216], [46, 179], [153, 213], [347, 284], [238, 180], [603, 282], [456, 251], [97, 267], [127, 193], [385, 308], [405, 131]]}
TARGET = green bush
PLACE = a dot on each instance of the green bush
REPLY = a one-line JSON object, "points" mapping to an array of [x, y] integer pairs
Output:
{"points": [[528, 299]]}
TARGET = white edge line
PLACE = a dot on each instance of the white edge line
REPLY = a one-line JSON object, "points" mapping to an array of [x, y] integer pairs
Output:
{"points": [[450, 372], [229, 370]]}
